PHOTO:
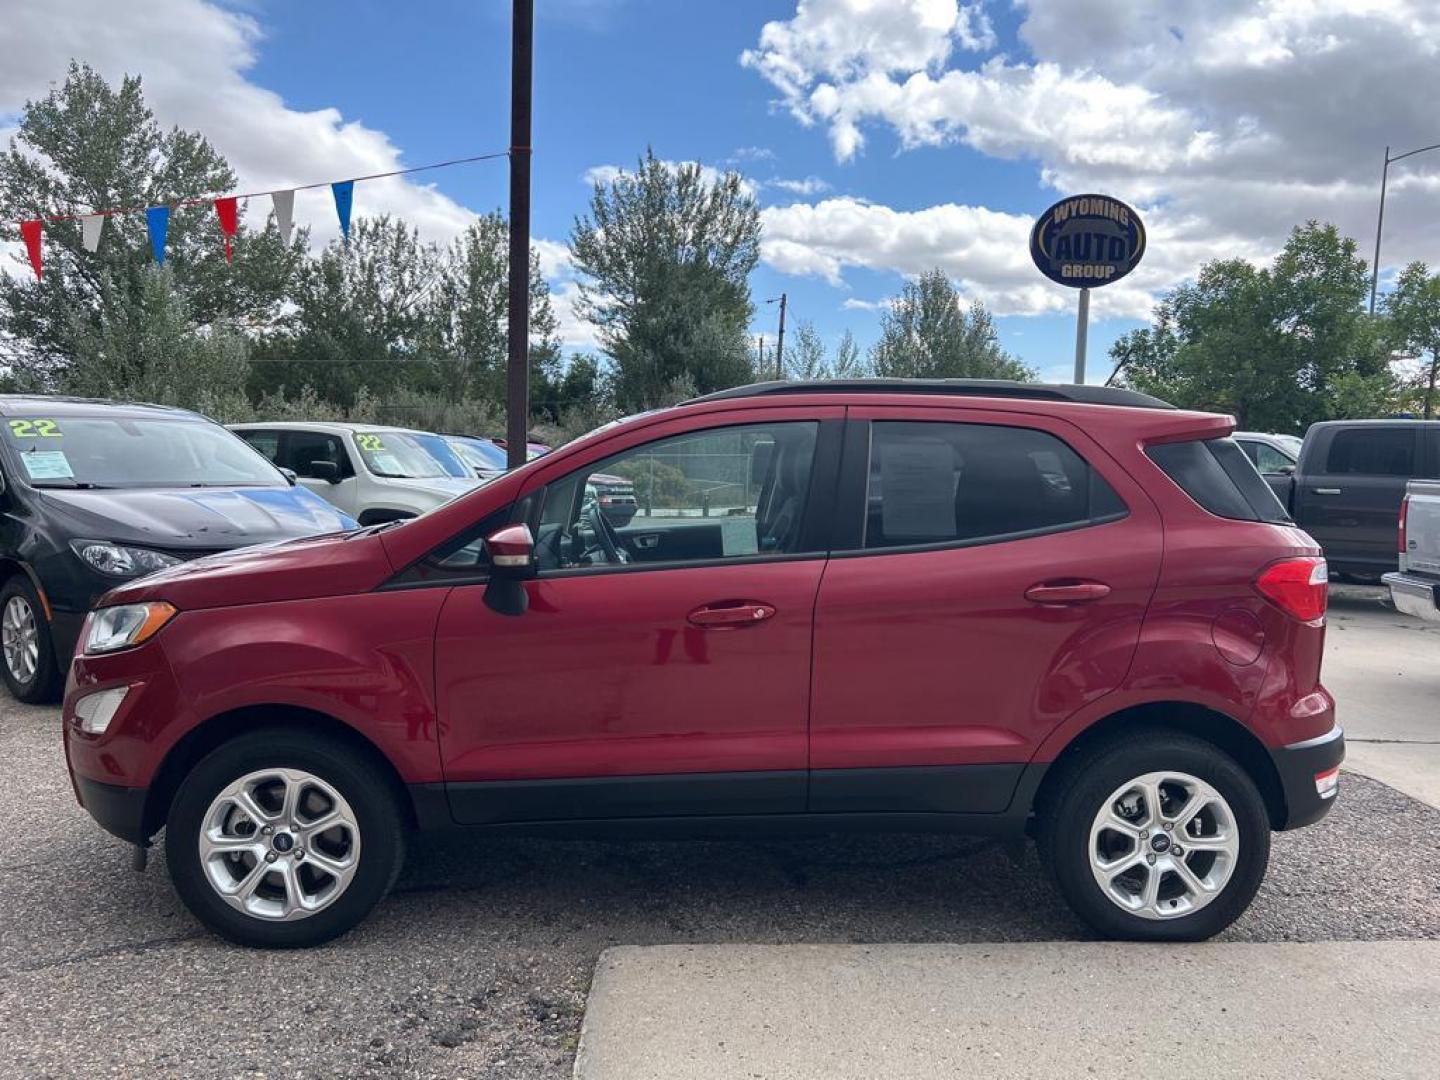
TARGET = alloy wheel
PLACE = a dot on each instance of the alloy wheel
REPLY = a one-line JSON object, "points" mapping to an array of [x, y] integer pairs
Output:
{"points": [[279, 844], [1163, 845], [20, 639]]}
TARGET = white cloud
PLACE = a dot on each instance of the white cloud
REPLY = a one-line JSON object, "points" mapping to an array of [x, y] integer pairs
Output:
{"points": [[984, 251], [1232, 121], [811, 185], [852, 303], [193, 58]]}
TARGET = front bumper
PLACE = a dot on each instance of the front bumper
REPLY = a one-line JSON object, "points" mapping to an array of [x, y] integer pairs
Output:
{"points": [[1309, 776], [1414, 595], [120, 811]]}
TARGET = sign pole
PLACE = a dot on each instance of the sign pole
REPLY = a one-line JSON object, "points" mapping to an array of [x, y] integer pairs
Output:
{"points": [[1082, 331], [517, 308]]}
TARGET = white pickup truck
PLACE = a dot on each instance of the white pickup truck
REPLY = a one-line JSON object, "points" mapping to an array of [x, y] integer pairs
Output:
{"points": [[1415, 589]]}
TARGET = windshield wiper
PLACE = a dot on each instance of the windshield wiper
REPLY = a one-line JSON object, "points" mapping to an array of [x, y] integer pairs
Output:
{"points": [[74, 485]]}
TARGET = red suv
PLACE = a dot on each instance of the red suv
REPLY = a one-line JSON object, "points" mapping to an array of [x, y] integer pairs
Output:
{"points": [[1069, 612]]}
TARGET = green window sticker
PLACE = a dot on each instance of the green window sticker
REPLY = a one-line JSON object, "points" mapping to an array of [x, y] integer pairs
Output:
{"points": [[370, 443], [47, 465], [35, 429]]}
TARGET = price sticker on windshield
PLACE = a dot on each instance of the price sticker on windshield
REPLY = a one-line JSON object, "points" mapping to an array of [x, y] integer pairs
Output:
{"points": [[47, 465], [371, 444], [35, 429]]}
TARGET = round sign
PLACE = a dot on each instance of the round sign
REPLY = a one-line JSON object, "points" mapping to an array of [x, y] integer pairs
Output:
{"points": [[1087, 240]]}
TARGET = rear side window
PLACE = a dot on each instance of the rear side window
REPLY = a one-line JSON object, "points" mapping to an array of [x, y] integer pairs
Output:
{"points": [[1217, 475], [937, 483], [1368, 451], [267, 442], [304, 448]]}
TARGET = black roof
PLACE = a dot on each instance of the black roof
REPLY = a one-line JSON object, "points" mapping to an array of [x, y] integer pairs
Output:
{"points": [[59, 405], [1005, 388]]}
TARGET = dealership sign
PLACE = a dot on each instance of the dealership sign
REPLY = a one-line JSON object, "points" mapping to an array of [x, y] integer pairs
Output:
{"points": [[1087, 241]]}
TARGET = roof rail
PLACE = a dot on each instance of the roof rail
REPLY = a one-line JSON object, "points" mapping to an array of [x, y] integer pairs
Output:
{"points": [[1006, 388]]}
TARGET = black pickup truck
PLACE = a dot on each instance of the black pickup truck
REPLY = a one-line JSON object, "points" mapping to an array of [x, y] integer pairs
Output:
{"points": [[1345, 490]]}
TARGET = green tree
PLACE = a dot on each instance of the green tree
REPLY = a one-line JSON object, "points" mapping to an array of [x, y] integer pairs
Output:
{"points": [[364, 311], [926, 334], [849, 364], [88, 146], [468, 318], [1279, 347], [806, 357], [666, 257], [1413, 307]]}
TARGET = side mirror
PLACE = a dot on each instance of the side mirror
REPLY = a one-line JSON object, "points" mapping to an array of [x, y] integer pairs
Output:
{"points": [[512, 563], [325, 470], [1287, 470], [290, 477]]}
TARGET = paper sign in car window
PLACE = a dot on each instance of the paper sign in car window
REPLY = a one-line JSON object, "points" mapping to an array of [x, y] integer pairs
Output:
{"points": [[917, 490], [386, 462], [738, 536], [47, 465]]}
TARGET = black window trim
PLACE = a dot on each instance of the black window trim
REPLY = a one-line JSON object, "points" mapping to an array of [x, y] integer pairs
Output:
{"points": [[855, 487]]}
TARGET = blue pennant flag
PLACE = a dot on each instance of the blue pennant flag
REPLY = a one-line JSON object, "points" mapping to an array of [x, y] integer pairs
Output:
{"points": [[344, 195], [157, 220]]}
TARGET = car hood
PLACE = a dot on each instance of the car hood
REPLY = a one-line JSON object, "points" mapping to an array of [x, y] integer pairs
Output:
{"points": [[196, 518], [336, 564], [440, 487]]}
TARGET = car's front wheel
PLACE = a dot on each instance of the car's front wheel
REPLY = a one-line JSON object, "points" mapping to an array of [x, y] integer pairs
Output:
{"points": [[30, 669], [1159, 837], [280, 839]]}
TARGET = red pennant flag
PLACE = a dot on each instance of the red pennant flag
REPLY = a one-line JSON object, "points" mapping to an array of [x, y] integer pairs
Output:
{"points": [[225, 211], [30, 230]]}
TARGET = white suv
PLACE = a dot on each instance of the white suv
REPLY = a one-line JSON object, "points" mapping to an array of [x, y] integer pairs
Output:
{"points": [[373, 473]]}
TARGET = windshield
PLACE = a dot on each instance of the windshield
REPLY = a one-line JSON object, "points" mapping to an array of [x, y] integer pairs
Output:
{"points": [[397, 454], [440, 449], [480, 454], [111, 452]]}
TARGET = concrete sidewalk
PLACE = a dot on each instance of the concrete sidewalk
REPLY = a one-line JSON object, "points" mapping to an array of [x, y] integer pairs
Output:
{"points": [[1049, 1011]]}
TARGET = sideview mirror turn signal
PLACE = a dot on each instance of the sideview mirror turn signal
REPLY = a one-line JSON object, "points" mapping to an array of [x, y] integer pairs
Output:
{"points": [[512, 563]]}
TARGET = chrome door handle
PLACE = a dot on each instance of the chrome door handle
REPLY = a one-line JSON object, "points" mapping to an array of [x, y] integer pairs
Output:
{"points": [[1327, 491]]}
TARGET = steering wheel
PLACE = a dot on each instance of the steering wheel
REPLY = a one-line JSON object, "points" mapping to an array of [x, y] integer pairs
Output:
{"points": [[609, 539]]}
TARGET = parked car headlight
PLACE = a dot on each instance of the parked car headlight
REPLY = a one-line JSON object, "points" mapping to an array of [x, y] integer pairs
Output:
{"points": [[124, 625], [117, 560]]}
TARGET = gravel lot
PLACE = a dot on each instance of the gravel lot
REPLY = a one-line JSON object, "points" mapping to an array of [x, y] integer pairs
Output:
{"points": [[479, 964]]}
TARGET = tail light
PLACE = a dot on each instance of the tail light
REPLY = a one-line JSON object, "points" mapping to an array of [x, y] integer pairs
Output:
{"points": [[1300, 587], [1404, 513]]}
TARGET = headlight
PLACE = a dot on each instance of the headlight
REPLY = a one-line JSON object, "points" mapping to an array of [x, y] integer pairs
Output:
{"points": [[117, 560], [124, 625]]}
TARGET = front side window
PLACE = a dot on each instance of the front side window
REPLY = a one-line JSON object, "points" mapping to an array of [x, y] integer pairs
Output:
{"points": [[939, 483], [736, 492], [304, 450], [116, 452], [1369, 451], [1267, 459]]}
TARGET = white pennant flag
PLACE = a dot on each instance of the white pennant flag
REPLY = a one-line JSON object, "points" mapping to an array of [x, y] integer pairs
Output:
{"points": [[284, 213], [90, 226]]}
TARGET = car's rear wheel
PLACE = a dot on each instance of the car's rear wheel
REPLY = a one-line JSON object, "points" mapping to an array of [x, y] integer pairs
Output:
{"points": [[1160, 837], [28, 666], [280, 839]]}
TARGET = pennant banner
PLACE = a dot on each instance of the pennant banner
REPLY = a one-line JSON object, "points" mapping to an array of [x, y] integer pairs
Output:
{"points": [[225, 211], [157, 220], [90, 226], [284, 213], [31, 230], [344, 192]]}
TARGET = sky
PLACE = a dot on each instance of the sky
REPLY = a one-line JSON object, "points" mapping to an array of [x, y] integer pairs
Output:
{"points": [[881, 137]]}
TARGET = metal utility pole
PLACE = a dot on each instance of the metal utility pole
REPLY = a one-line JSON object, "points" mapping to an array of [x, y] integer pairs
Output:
{"points": [[780, 338], [1380, 221], [1082, 333], [517, 393]]}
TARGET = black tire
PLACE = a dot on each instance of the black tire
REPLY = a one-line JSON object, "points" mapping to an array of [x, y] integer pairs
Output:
{"points": [[370, 795], [1069, 811], [44, 683]]}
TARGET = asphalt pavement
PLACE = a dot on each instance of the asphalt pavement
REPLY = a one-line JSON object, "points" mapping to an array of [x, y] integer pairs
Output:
{"points": [[479, 964]]}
